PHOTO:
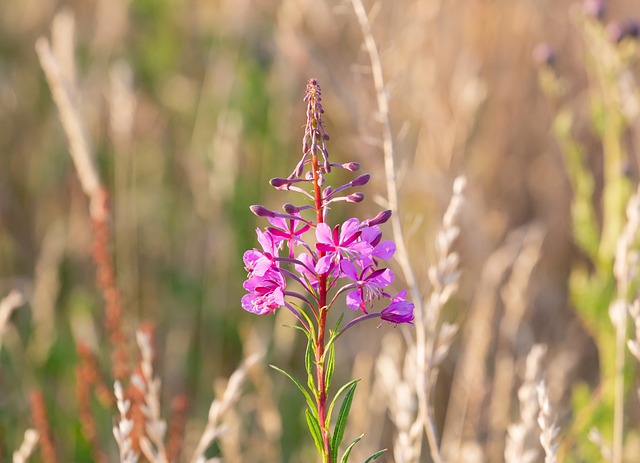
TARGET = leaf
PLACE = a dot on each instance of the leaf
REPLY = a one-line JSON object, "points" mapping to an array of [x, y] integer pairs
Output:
{"points": [[331, 361], [314, 430], [345, 456], [308, 364], [343, 414], [375, 455], [310, 402], [333, 402]]}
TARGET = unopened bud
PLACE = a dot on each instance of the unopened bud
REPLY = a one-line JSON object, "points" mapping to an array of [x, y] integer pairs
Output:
{"points": [[355, 197], [382, 217], [291, 209], [351, 166], [279, 182], [361, 180], [262, 211]]}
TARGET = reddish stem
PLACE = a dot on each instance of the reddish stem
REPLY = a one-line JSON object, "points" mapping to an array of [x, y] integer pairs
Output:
{"points": [[322, 321]]}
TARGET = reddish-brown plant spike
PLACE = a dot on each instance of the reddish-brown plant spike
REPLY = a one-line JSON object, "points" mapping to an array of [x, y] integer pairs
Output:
{"points": [[105, 277], [176, 428], [103, 393], [41, 423], [87, 420], [136, 414]]}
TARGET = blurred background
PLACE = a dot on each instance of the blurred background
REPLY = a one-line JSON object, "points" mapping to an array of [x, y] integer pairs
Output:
{"points": [[192, 106]]}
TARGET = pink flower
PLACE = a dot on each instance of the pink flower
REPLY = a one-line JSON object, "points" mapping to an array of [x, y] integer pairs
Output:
{"points": [[258, 262], [266, 292], [340, 243], [399, 311], [381, 249], [287, 230], [369, 285]]}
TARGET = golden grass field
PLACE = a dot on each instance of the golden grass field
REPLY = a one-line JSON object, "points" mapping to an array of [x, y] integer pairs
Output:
{"points": [[186, 109]]}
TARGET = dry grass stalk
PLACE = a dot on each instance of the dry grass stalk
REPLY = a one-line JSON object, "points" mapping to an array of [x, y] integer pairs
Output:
{"points": [[522, 437], [548, 428], [512, 337], [61, 82], [220, 406], [152, 443], [8, 304], [122, 432], [443, 275], [625, 272], [27, 446], [470, 384]]}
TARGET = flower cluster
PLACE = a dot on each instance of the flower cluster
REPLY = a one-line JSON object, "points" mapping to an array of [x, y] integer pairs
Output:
{"points": [[325, 260]]}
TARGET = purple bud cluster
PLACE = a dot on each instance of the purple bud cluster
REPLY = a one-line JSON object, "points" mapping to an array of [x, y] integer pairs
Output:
{"points": [[326, 261]]}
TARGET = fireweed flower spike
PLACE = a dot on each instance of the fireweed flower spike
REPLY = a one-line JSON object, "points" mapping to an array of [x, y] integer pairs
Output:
{"points": [[336, 265]]}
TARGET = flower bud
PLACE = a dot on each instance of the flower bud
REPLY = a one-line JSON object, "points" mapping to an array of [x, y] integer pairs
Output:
{"points": [[280, 183], [262, 211], [291, 209], [382, 217], [361, 180], [355, 197], [351, 166]]}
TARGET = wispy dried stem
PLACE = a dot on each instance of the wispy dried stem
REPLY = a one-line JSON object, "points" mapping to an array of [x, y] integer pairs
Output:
{"points": [[548, 428], [122, 431], [8, 304], [521, 445], [152, 443], [29, 442], [220, 406], [625, 270], [402, 254], [59, 69]]}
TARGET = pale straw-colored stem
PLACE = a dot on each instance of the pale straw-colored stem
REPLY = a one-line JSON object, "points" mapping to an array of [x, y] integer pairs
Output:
{"points": [[402, 255], [66, 102], [29, 442]]}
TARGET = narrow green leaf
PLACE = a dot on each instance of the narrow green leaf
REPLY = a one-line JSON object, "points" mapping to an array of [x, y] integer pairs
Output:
{"points": [[341, 422], [375, 455], [310, 402], [328, 375], [308, 364], [335, 332], [314, 429], [335, 398], [345, 457]]}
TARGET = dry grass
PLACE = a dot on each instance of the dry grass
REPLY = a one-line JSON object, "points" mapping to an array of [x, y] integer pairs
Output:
{"points": [[176, 114]]}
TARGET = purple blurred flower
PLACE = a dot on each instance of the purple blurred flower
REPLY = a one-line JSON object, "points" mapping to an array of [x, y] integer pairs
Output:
{"points": [[399, 311], [340, 243], [369, 285], [266, 292]]}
